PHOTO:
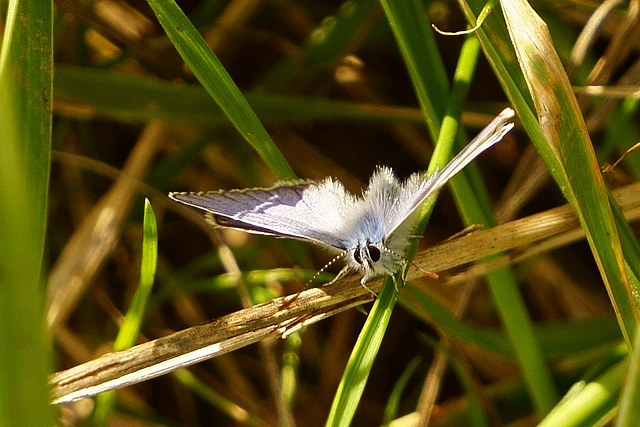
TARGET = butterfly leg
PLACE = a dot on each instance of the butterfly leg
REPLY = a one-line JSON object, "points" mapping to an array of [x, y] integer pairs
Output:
{"points": [[346, 270], [395, 283], [364, 285]]}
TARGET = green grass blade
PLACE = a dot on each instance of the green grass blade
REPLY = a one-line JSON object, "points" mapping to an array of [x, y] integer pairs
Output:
{"points": [[494, 38], [25, 94], [417, 44], [130, 328], [395, 397], [628, 414], [475, 207], [592, 403], [557, 155], [361, 360], [413, 38], [473, 203], [585, 333], [215, 79], [128, 334], [85, 92]]}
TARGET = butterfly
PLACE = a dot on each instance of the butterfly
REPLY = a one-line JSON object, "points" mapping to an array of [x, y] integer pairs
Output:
{"points": [[372, 231]]}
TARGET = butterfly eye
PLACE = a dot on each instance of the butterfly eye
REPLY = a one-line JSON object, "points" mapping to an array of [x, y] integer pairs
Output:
{"points": [[374, 253], [356, 255]]}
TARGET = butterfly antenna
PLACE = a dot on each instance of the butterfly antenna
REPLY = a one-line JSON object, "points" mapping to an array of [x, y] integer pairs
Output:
{"points": [[327, 265], [427, 273]]}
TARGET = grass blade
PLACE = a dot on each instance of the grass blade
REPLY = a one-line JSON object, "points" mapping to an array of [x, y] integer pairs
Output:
{"points": [[25, 91], [130, 328], [563, 126]]}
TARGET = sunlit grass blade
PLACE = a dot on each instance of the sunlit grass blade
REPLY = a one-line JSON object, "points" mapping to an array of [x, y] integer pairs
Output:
{"points": [[556, 141], [128, 334], [628, 414], [215, 79], [414, 39], [563, 126], [494, 38], [473, 203], [593, 403]]}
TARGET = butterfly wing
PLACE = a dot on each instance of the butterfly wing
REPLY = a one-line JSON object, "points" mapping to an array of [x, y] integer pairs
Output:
{"points": [[416, 189], [301, 210]]}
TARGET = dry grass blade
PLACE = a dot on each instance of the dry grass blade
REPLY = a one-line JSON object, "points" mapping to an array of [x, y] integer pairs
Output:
{"points": [[284, 315], [589, 34], [528, 234], [271, 319]]}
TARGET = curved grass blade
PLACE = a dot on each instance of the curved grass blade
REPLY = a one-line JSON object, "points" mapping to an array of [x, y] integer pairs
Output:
{"points": [[361, 360]]}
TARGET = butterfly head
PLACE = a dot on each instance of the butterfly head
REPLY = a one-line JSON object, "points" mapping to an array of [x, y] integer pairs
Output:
{"points": [[375, 259], [367, 255]]}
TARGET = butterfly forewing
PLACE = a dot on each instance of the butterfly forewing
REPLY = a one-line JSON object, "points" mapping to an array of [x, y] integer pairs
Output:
{"points": [[416, 189], [305, 210]]}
